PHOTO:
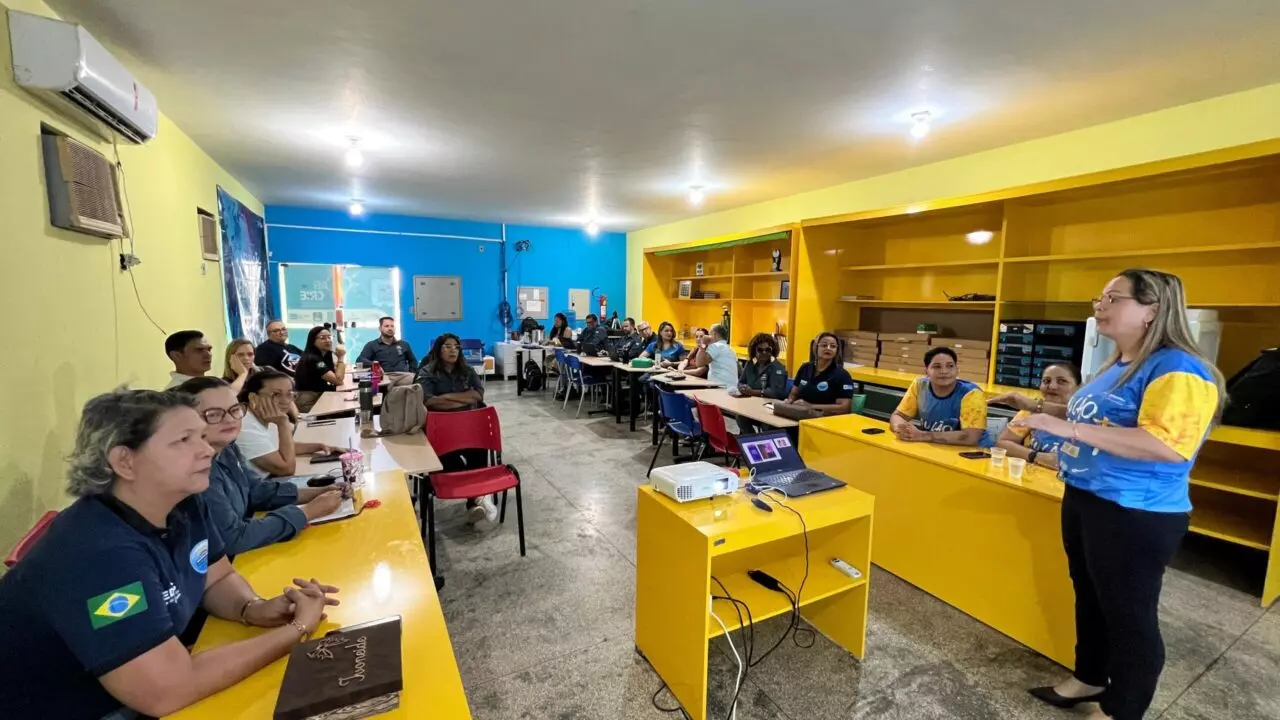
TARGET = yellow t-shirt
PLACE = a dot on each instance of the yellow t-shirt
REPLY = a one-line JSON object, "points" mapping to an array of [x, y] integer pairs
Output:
{"points": [[964, 408]]}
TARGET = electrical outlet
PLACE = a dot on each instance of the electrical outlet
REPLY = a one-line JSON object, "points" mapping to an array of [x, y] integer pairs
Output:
{"points": [[129, 260]]}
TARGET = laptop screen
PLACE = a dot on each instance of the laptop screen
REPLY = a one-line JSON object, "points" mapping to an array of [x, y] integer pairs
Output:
{"points": [[770, 452]]}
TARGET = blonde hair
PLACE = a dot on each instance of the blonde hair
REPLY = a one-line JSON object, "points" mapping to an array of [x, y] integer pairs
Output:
{"points": [[232, 347], [1169, 328]]}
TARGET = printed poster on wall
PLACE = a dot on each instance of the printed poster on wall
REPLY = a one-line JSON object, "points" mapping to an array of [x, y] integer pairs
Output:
{"points": [[244, 268]]}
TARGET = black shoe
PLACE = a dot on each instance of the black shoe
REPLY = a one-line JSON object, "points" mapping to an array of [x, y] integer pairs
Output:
{"points": [[1048, 695]]}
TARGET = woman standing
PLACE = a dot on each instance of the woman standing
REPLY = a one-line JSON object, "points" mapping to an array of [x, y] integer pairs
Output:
{"points": [[665, 349], [93, 614], [1057, 384], [1131, 436], [239, 363], [321, 368], [822, 383], [449, 384]]}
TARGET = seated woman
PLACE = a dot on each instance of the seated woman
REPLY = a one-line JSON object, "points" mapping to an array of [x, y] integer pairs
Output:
{"points": [[93, 613], [690, 365], [236, 492], [822, 383], [449, 384], [238, 363], [321, 369], [1058, 383], [940, 407], [266, 433], [664, 349], [763, 376]]}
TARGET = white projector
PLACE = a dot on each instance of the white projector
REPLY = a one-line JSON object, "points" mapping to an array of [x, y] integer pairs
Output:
{"points": [[693, 481]]}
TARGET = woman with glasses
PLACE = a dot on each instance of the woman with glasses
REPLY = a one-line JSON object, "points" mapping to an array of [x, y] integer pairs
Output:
{"points": [[266, 432], [449, 384], [1058, 383], [238, 363], [822, 383], [1130, 437], [236, 492], [321, 369], [91, 617]]}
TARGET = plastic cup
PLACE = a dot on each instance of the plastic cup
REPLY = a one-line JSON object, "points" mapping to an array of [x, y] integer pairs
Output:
{"points": [[998, 456], [859, 404], [1016, 466], [352, 465]]}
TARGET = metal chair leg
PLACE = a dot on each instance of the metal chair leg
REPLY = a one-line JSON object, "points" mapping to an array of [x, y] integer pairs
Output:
{"points": [[519, 513], [661, 439], [502, 514], [582, 396]]}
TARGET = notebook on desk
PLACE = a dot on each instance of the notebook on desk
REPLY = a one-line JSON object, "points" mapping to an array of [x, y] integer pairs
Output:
{"points": [[775, 463]]}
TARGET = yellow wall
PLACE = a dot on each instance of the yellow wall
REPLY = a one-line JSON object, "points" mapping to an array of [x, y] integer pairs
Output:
{"points": [[1221, 122], [72, 324]]}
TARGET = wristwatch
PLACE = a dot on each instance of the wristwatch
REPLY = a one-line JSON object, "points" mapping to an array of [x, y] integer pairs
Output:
{"points": [[1032, 457]]}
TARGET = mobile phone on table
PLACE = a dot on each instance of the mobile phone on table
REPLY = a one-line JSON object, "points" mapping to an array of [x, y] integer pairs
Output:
{"points": [[872, 431], [975, 454], [320, 459]]}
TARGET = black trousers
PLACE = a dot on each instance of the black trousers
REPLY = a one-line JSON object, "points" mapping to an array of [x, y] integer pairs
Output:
{"points": [[1117, 557]]}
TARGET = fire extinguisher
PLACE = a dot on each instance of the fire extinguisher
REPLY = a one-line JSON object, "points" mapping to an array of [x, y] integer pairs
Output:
{"points": [[604, 299]]}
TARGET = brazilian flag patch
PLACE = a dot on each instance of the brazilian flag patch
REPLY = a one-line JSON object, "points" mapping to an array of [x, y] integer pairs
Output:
{"points": [[116, 605]]}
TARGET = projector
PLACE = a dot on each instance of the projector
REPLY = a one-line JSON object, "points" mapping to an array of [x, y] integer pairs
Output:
{"points": [[693, 481]]}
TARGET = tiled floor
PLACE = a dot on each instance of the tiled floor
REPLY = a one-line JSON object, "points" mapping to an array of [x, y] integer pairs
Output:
{"points": [[550, 635]]}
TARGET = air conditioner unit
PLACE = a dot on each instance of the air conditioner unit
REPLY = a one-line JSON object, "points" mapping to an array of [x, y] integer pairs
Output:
{"points": [[63, 58], [84, 188]]}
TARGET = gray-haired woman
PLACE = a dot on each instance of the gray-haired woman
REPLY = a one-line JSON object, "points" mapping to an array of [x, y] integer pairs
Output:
{"points": [[93, 613]]}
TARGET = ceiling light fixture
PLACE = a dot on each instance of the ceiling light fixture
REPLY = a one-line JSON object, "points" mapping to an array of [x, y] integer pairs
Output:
{"points": [[356, 208], [979, 237], [355, 158], [592, 228], [920, 126], [697, 194]]}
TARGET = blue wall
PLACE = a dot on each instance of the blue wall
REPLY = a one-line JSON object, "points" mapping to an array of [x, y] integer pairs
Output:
{"points": [[560, 258]]}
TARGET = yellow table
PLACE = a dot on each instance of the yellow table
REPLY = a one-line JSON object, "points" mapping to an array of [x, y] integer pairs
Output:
{"points": [[986, 544], [681, 546], [338, 402], [378, 562], [411, 453]]}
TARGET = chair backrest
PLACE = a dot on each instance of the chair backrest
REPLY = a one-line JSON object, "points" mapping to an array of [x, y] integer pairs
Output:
{"points": [[677, 408], [464, 430], [28, 541], [712, 421], [473, 351], [573, 367], [560, 355]]}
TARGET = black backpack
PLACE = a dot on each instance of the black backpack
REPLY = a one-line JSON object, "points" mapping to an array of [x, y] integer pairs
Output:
{"points": [[532, 376], [1254, 394]]}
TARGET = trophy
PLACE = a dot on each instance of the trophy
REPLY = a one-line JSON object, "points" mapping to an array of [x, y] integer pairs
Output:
{"points": [[777, 261]]}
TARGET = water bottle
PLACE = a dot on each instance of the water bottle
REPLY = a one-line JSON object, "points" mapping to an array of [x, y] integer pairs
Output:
{"points": [[375, 375], [366, 403]]}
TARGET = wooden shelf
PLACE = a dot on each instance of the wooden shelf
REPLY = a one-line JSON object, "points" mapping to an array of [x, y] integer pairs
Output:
{"points": [[761, 300], [704, 277], [824, 581], [1226, 525], [918, 303], [718, 300], [1189, 250], [1236, 479], [783, 274], [911, 266], [1193, 304], [1249, 437]]}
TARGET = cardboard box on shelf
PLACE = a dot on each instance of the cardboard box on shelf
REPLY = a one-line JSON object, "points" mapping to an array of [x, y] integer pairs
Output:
{"points": [[861, 342], [911, 350], [857, 334], [979, 378], [959, 344], [863, 358], [903, 338], [965, 356]]}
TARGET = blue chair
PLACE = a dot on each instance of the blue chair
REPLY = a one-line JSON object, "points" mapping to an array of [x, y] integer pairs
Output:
{"points": [[562, 372], [473, 353], [677, 409], [582, 381]]}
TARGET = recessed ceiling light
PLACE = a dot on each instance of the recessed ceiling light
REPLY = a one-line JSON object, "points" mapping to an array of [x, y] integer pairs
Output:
{"points": [[979, 237], [697, 194], [920, 124], [355, 158], [592, 228], [356, 208]]}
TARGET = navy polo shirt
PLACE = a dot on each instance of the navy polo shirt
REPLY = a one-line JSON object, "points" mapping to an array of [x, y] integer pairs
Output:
{"points": [[392, 357], [102, 587], [824, 388]]}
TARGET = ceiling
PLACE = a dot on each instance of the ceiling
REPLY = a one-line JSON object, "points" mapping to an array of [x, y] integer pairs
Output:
{"points": [[547, 111]]}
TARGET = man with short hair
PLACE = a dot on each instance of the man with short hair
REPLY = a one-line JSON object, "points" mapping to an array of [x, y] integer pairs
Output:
{"points": [[940, 407], [391, 354], [190, 354], [593, 334], [719, 359], [276, 352]]}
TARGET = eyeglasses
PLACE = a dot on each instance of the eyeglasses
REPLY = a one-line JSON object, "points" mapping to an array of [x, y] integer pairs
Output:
{"points": [[217, 415], [1109, 299], [828, 346]]}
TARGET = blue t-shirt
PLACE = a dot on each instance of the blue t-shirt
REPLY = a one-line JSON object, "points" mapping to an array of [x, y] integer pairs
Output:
{"points": [[964, 408], [671, 354], [102, 587], [1172, 396]]}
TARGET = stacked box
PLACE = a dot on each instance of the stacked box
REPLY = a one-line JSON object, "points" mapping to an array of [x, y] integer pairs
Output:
{"points": [[860, 346], [972, 357]]}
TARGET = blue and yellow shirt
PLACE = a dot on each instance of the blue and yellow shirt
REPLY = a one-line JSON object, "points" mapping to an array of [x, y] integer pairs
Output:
{"points": [[1172, 396], [1037, 440], [964, 408]]}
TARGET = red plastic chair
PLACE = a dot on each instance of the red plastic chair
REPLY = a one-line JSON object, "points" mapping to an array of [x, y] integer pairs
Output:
{"points": [[469, 430], [28, 541], [718, 437]]}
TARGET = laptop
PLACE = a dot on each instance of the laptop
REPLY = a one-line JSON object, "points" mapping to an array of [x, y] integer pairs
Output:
{"points": [[777, 464]]}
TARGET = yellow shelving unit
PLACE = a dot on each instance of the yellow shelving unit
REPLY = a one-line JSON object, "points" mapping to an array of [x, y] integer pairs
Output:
{"points": [[1052, 249], [739, 269]]}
